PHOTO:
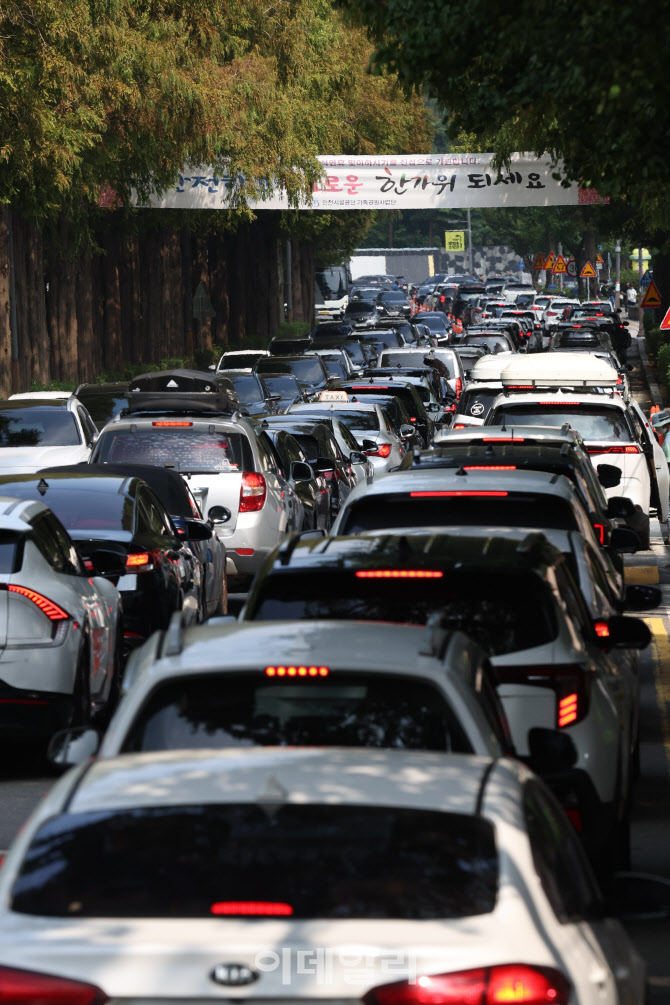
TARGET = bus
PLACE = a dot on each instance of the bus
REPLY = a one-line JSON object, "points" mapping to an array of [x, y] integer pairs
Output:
{"points": [[332, 292]]}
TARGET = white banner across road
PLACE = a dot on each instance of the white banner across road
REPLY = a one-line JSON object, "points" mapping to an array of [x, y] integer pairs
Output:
{"points": [[424, 181]]}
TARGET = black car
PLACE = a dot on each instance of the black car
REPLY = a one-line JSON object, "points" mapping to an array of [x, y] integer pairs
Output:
{"points": [[255, 398], [324, 456], [406, 391], [396, 412], [284, 387], [469, 354], [122, 531], [286, 345], [361, 354], [174, 493], [313, 491], [103, 402], [332, 329], [394, 304], [309, 371], [426, 380], [495, 343]]}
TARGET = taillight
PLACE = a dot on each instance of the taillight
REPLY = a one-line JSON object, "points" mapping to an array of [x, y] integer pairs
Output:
{"points": [[511, 982], [139, 561], [614, 450], [252, 908], [573, 404], [458, 386], [171, 424], [460, 425], [383, 450], [489, 467], [599, 528], [399, 574], [297, 671], [23, 987], [570, 683], [503, 439], [46, 606], [252, 492], [602, 629], [456, 492]]}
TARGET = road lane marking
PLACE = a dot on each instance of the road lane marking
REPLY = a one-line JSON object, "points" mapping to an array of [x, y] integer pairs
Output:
{"points": [[660, 651], [641, 574]]}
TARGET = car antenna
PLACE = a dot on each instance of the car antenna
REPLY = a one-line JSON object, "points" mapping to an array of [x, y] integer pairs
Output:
{"points": [[462, 471], [42, 486]]}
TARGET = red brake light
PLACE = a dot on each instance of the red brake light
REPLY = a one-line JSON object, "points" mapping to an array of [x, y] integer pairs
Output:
{"points": [[460, 425], [599, 528], [399, 574], [252, 492], [458, 386], [46, 606], [23, 987], [602, 629], [520, 387], [457, 492], [510, 983], [255, 908], [171, 423], [561, 403], [503, 439], [366, 387], [139, 561], [383, 450], [568, 709], [571, 685], [631, 449], [297, 671], [489, 467]]}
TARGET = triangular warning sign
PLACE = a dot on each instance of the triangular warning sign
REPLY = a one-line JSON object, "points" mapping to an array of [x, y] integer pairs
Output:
{"points": [[588, 272], [560, 268], [665, 323], [172, 383], [599, 259], [539, 262], [652, 297], [550, 260]]}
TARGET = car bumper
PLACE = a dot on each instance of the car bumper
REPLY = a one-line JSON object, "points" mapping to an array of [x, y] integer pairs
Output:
{"points": [[32, 713]]}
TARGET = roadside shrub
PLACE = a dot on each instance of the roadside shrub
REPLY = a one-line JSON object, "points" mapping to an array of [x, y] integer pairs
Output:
{"points": [[654, 340], [663, 362]]}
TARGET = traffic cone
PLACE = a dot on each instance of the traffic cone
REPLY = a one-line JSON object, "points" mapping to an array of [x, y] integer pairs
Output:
{"points": [[654, 409]]}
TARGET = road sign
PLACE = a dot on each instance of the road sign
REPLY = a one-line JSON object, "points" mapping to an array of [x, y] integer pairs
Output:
{"points": [[652, 297], [560, 267], [665, 323], [550, 261], [599, 259], [572, 268], [646, 279], [202, 305], [454, 240], [539, 263], [588, 272]]}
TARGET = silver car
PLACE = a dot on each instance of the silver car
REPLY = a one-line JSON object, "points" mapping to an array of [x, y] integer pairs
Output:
{"points": [[370, 426], [59, 626]]}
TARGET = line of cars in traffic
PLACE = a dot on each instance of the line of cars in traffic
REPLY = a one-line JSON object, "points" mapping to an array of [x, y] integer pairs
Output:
{"points": [[352, 768]]}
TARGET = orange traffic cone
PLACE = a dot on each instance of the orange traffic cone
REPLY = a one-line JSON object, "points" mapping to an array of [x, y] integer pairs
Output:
{"points": [[654, 409]]}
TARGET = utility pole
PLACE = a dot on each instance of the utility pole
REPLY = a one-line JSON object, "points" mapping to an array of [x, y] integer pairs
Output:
{"points": [[288, 280], [560, 275], [617, 286], [472, 264]]}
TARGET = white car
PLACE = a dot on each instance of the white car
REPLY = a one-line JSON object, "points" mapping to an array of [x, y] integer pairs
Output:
{"points": [[60, 627], [416, 357], [553, 312], [368, 423], [239, 359], [43, 432], [306, 874]]}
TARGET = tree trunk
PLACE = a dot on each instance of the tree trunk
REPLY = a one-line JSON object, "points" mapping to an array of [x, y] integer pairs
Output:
{"points": [[62, 307], [112, 349], [5, 281], [85, 320], [187, 273]]}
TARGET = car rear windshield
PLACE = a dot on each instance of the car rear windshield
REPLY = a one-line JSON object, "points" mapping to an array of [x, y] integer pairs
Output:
{"points": [[504, 613], [248, 389], [477, 403], [510, 510], [360, 307], [284, 384], [346, 709], [591, 422], [38, 427], [384, 390], [388, 339], [241, 361], [308, 368], [313, 861], [184, 449], [392, 296], [355, 419], [494, 343]]}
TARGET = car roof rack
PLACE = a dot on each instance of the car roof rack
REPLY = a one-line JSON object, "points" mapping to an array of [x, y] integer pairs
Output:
{"points": [[182, 391]]}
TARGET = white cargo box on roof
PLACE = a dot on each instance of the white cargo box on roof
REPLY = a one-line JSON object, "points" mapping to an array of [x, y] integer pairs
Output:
{"points": [[559, 370], [489, 368]]}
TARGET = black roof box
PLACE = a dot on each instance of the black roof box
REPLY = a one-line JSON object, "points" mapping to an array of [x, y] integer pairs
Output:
{"points": [[181, 391]]}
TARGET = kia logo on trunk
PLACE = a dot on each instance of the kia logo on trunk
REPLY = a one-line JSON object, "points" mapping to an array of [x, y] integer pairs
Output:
{"points": [[234, 974]]}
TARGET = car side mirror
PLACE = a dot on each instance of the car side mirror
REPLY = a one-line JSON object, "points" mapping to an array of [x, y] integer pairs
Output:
{"points": [[620, 632], [621, 507], [301, 472], [406, 431], [197, 530], [69, 747], [642, 598], [212, 366], [357, 457], [369, 444], [550, 750], [433, 407], [219, 514], [638, 896], [609, 476]]}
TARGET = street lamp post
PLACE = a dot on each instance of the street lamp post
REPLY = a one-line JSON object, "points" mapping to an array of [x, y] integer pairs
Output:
{"points": [[617, 287]]}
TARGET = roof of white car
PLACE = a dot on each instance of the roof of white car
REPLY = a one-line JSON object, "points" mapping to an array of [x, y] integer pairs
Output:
{"points": [[331, 405], [560, 369], [42, 395], [490, 367], [567, 397], [245, 352], [276, 775], [15, 513]]}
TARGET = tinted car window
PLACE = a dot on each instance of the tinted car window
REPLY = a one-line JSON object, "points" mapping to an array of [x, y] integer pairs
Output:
{"points": [[242, 361], [38, 427], [323, 861], [284, 384], [494, 343], [477, 403], [391, 297], [504, 614], [102, 406], [346, 709], [11, 552], [184, 449], [248, 388], [308, 368], [518, 510], [590, 422]]}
